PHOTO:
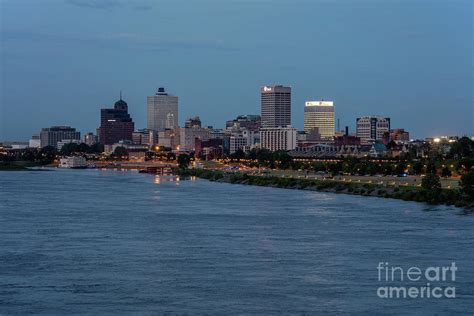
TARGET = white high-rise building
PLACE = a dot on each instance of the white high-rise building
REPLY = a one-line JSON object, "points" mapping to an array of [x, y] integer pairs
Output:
{"points": [[275, 106], [372, 128], [320, 115], [162, 111], [278, 138]]}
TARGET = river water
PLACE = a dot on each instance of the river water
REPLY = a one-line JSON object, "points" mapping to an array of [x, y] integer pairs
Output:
{"points": [[104, 241]]}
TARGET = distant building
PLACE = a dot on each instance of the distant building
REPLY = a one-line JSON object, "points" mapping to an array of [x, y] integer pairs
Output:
{"points": [[211, 148], [115, 124], [399, 135], [34, 142], [162, 111], [237, 142], [320, 115], [278, 138], [188, 137], [52, 135], [372, 128], [194, 121], [275, 106], [250, 122], [169, 138], [90, 139], [67, 141], [145, 137]]}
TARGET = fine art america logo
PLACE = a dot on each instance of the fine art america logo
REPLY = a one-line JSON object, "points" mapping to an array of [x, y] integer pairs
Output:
{"points": [[399, 282]]}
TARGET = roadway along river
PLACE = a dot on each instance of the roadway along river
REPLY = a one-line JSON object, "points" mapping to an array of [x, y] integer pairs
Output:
{"points": [[92, 241]]}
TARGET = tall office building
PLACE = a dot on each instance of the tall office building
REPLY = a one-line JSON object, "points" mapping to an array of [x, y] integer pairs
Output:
{"points": [[320, 115], [115, 124], [52, 135], [275, 106], [162, 111], [371, 129]]}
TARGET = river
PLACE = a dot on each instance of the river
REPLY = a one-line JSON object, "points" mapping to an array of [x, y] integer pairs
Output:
{"points": [[104, 241]]}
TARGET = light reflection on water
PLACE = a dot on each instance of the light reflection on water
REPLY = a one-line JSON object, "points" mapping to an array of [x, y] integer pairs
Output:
{"points": [[82, 241]]}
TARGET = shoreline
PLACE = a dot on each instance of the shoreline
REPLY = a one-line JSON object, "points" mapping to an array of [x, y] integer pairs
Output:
{"points": [[450, 197]]}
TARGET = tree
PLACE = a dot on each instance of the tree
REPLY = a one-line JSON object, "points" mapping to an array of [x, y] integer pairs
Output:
{"points": [[48, 153], [120, 152], [431, 182], [431, 167], [239, 154], [467, 184], [373, 168], [83, 148], [282, 159], [417, 167], [445, 172], [69, 149], [464, 147], [183, 161], [400, 168], [96, 148]]}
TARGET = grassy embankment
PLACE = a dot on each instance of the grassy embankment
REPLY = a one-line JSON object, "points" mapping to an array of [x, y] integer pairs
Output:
{"points": [[407, 193], [18, 165]]}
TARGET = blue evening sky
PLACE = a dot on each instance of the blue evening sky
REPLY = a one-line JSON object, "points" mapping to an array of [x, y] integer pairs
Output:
{"points": [[62, 60]]}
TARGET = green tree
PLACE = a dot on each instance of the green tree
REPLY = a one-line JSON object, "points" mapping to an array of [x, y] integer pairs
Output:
{"points": [[445, 172], [400, 168], [69, 149], [183, 161], [282, 159], [467, 184], [120, 152], [431, 182], [431, 167], [238, 155], [417, 168], [96, 148], [48, 153], [373, 168], [464, 147], [83, 148]]}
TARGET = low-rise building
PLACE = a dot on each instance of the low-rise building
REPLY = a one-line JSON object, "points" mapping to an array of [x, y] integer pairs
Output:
{"points": [[278, 138], [189, 135], [67, 141], [52, 135]]}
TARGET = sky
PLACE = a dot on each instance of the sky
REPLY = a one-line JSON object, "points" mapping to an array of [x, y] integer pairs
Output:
{"points": [[63, 60]]}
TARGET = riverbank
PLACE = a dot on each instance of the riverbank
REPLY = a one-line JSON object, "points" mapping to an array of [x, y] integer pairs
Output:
{"points": [[19, 165], [406, 193]]}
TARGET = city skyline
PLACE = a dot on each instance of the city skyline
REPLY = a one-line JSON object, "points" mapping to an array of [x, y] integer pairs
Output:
{"points": [[398, 71]]}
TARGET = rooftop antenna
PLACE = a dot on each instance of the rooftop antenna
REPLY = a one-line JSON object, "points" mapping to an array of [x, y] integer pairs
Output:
{"points": [[120, 94]]}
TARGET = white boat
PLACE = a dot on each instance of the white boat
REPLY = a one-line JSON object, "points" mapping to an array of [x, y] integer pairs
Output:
{"points": [[75, 162]]}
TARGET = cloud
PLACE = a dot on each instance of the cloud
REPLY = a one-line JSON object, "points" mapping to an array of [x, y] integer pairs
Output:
{"points": [[137, 5], [95, 4], [142, 7], [138, 41]]}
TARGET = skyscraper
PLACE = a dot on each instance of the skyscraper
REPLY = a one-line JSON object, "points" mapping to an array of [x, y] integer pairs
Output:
{"points": [[162, 111], [115, 124], [372, 128], [320, 115], [275, 106]]}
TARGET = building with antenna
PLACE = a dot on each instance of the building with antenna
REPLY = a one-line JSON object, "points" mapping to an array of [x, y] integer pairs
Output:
{"points": [[162, 111], [115, 124]]}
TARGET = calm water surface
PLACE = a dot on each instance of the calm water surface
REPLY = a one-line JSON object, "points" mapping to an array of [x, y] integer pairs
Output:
{"points": [[91, 241]]}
